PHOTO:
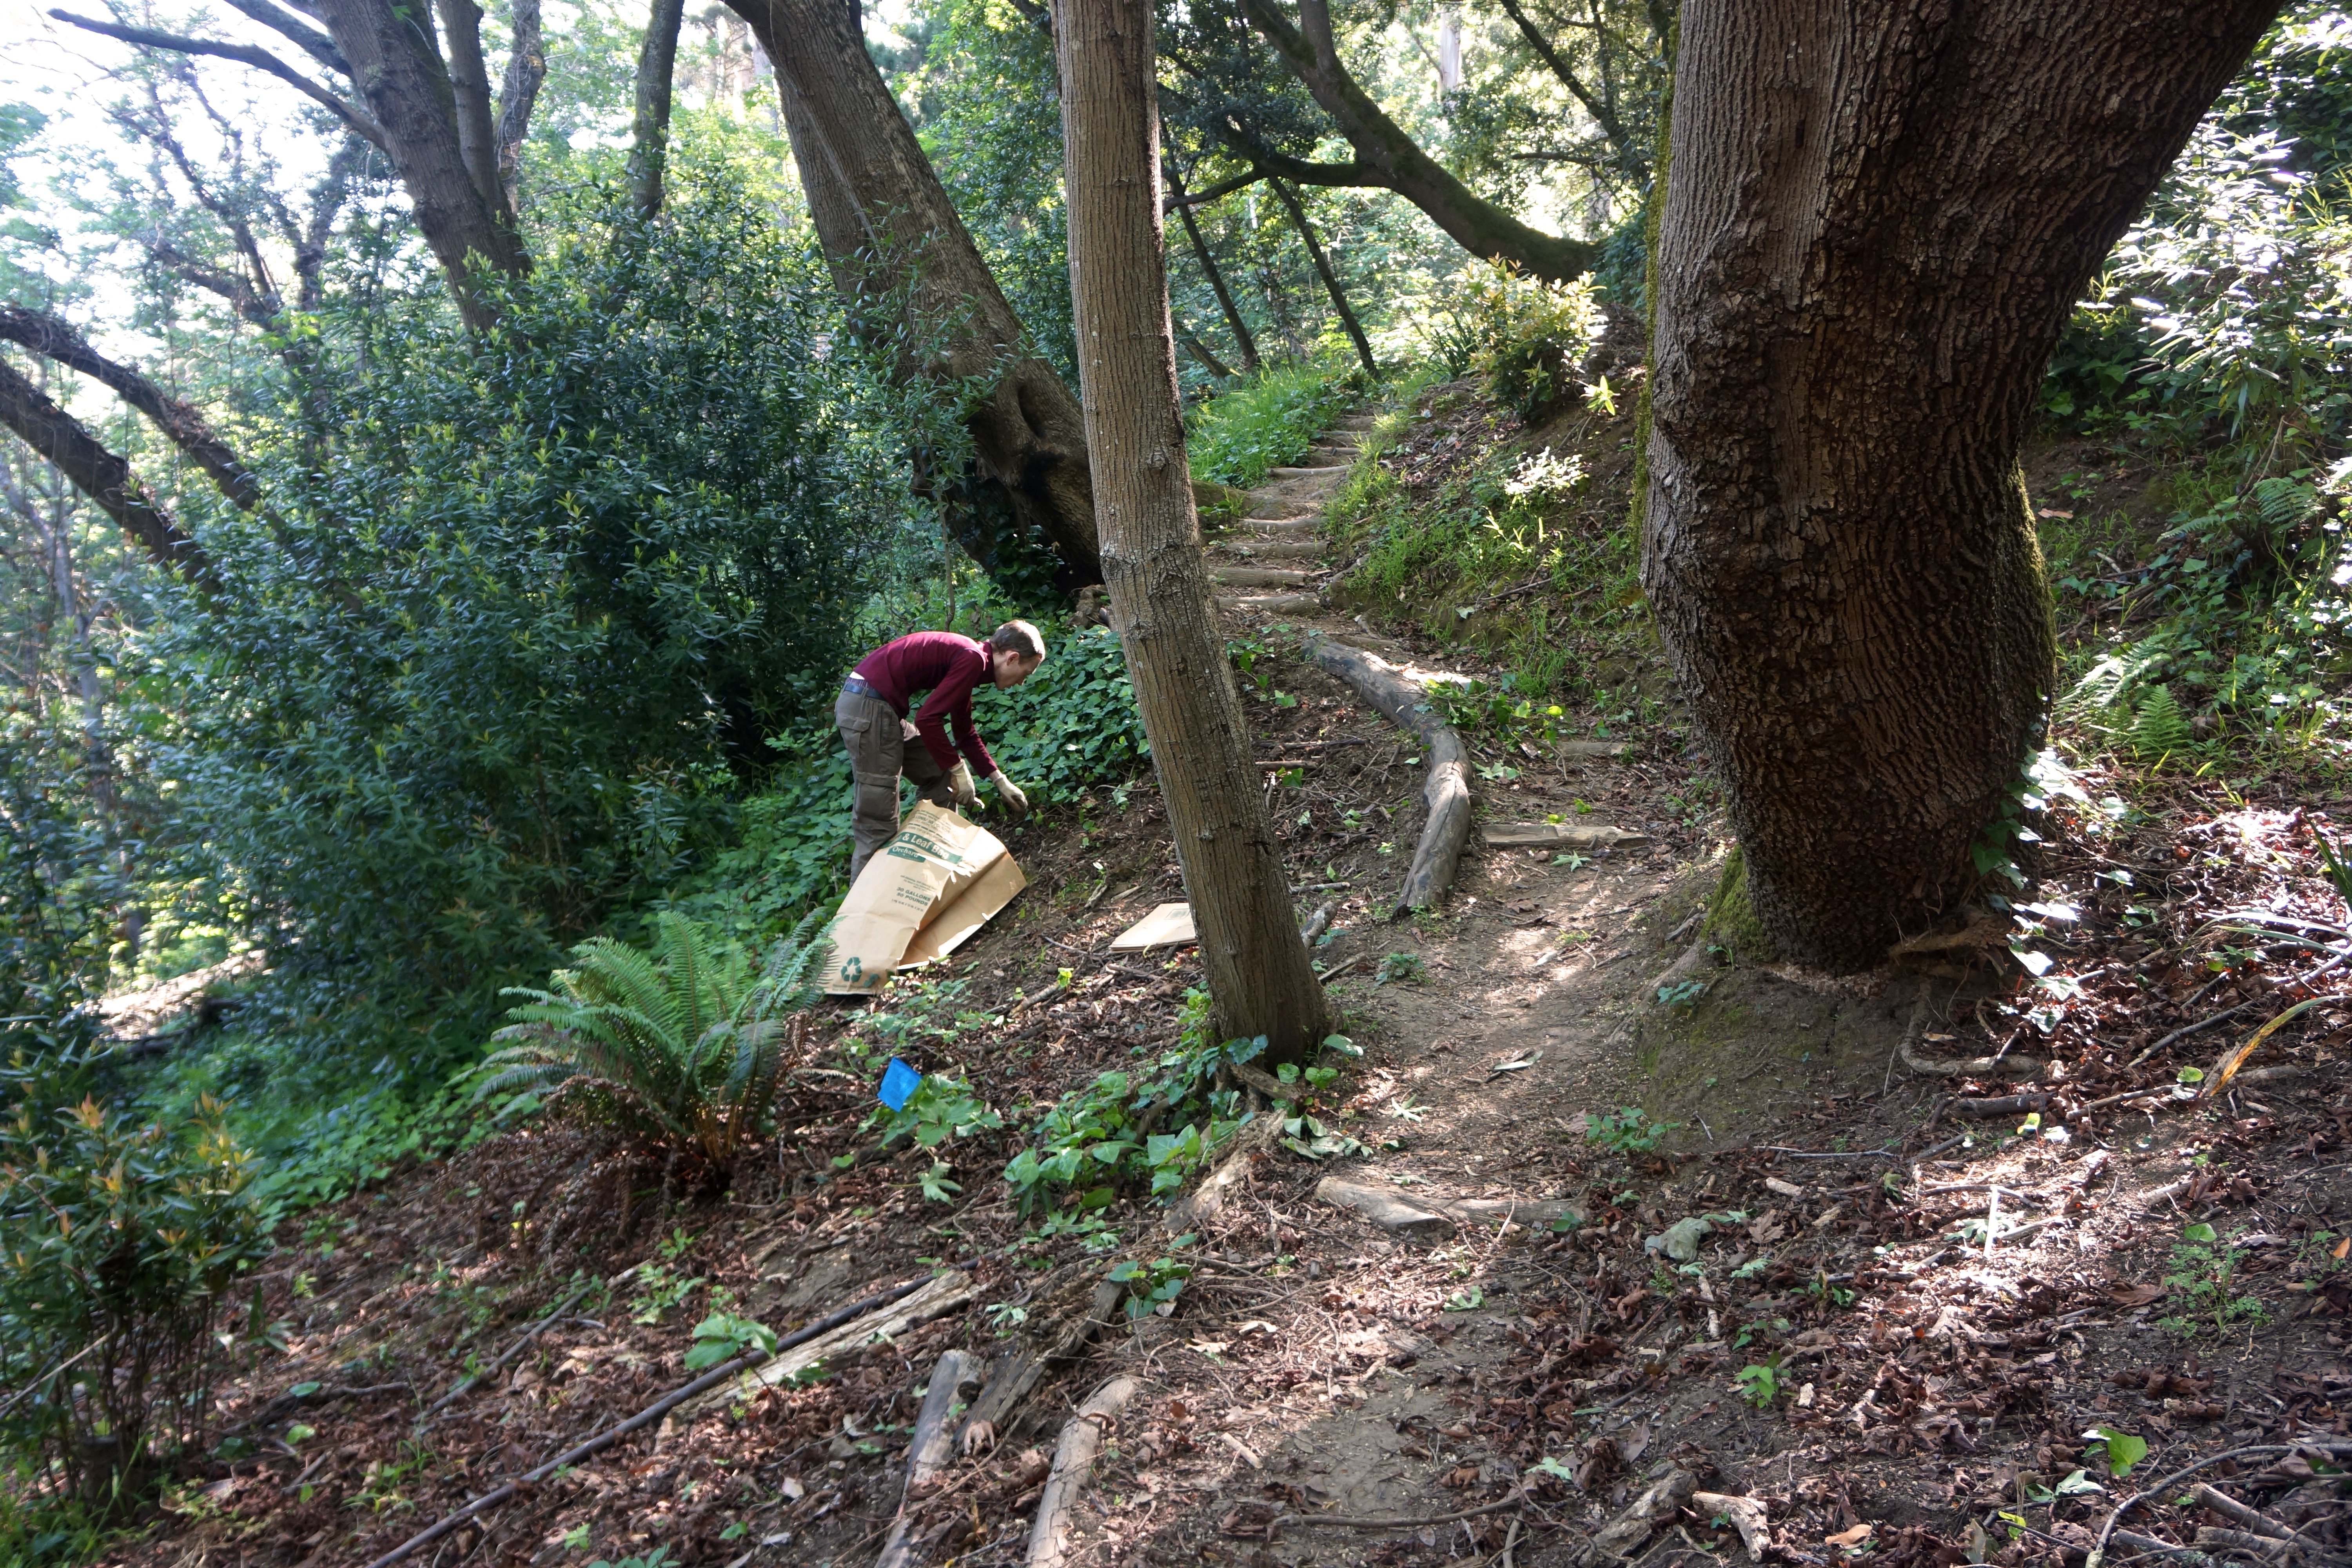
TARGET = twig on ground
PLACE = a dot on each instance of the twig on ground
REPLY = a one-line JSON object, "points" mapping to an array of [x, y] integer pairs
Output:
{"points": [[650, 1413], [472, 1380], [2115, 1516]]}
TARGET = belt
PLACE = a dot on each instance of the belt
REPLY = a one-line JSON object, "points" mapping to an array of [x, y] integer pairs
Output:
{"points": [[857, 686]]}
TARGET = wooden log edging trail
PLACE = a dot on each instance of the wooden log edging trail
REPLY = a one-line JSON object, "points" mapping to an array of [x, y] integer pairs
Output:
{"points": [[1445, 787]]}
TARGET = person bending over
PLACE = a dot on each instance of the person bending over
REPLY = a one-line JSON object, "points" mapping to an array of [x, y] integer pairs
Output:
{"points": [[872, 716]]}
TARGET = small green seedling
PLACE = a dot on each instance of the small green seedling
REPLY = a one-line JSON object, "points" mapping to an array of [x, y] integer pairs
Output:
{"points": [[1759, 1382]]}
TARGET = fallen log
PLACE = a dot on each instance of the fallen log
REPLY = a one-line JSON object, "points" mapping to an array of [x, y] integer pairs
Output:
{"points": [[1021, 1368], [1074, 1463], [1973, 1067], [1446, 785], [927, 1450], [1206, 1200], [1409, 1213]]}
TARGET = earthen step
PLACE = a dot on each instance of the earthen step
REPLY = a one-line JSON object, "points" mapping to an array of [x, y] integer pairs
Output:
{"points": [[1355, 422], [1296, 475], [1313, 519], [1258, 576], [1278, 549], [1268, 604]]}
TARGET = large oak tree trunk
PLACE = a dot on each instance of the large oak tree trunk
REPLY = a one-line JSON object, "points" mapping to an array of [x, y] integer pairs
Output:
{"points": [[451, 177], [1878, 214], [1257, 968], [860, 161]]}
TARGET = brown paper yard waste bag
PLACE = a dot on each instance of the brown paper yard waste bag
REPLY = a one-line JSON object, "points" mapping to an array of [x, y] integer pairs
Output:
{"points": [[919, 898]]}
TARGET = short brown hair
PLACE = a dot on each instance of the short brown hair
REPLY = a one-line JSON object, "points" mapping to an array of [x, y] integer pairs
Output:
{"points": [[1018, 638]]}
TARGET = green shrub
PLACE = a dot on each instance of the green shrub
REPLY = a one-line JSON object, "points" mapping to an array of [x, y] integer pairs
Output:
{"points": [[1261, 424], [1525, 336], [1105, 1136], [680, 1049], [1070, 726], [119, 1247], [497, 660]]}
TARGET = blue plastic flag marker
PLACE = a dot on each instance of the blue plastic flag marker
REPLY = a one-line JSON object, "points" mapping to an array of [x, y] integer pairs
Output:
{"points": [[899, 1082]]}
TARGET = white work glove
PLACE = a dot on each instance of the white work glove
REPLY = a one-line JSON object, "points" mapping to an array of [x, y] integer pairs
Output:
{"points": [[959, 785], [1014, 801]]}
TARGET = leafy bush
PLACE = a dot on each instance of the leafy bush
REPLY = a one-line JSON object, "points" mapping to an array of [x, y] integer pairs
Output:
{"points": [[56, 892], [1106, 1135], [492, 664], [120, 1245], [1525, 336], [681, 1048], [1071, 725], [1261, 424]]}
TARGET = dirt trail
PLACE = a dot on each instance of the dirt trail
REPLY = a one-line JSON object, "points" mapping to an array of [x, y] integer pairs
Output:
{"points": [[1510, 1388]]}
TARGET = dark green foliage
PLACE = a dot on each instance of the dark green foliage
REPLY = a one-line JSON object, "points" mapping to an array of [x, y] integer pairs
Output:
{"points": [[1071, 725], [680, 1049], [55, 896], [491, 671], [120, 1245]]}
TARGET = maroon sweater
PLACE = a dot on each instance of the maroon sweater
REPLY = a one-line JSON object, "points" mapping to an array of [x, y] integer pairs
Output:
{"points": [[948, 666]]}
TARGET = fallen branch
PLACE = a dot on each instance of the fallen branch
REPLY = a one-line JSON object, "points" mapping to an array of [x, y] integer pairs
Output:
{"points": [[465, 1384], [2006, 1105], [2252, 1517], [1395, 1210], [1074, 1462], [650, 1413], [2115, 1517], [1207, 1200], [1446, 784], [927, 1449], [1020, 1369], [1973, 1067]]}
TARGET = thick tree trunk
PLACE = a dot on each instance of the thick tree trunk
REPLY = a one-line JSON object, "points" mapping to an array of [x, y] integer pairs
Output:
{"points": [[649, 144], [397, 66], [101, 475], [1389, 157], [1242, 339], [854, 146], [1289, 200], [1878, 214], [1257, 968]]}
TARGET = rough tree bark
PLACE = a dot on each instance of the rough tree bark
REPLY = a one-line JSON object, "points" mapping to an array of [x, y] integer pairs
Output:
{"points": [[101, 475], [1257, 968], [180, 422], [649, 135], [1290, 204], [889, 231], [1388, 157], [397, 66], [1878, 214]]}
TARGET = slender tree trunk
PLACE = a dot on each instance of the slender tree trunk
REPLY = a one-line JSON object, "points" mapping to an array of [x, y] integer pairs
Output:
{"points": [[649, 149], [1878, 214], [1202, 351], [1242, 339], [1257, 968], [856, 149], [518, 96], [397, 66], [101, 475], [1289, 200], [56, 531]]}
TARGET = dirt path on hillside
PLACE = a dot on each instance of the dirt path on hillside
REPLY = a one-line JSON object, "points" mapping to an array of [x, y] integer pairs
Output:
{"points": [[1850, 1332]]}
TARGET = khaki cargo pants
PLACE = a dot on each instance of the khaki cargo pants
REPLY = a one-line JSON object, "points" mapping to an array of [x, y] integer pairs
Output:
{"points": [[881, 747]]}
